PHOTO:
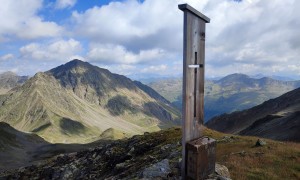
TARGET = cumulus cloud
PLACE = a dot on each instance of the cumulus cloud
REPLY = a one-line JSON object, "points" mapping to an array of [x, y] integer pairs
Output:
{"points": [[247, 35], [159, 68], [117, 54], [6, 57], [62, 50], [132, 24], [21, 20], [254, 36], [61, 4]]}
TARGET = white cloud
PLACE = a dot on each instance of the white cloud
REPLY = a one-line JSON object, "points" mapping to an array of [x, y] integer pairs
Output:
{"points": [[6, 57], [251, 36], [20, 19], [123, 69], [61, 4], [62, 50], [117, 54], [132, 24], [240, 33], [259, 32], [154, 69]]}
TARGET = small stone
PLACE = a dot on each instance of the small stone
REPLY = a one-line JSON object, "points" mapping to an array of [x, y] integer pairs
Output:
{"points": [[158, 170], [222, 171], [165, 147], [131, 151], [174, 154], [151, 157], [179, 163], [67, 173], [120, 166], [97, 158], [260, 142]]}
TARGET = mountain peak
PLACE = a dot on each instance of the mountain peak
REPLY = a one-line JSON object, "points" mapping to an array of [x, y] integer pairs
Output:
{"points": [[74, 67], [76, 62], [236, 75], [234, 78], [77, 102], [8, 73]]}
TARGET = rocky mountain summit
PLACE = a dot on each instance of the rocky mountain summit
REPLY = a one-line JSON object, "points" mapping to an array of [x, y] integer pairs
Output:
{"points": [[80, 103]]}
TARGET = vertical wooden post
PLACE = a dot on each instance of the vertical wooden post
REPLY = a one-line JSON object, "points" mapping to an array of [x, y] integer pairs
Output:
{"points": [[193, 77]]}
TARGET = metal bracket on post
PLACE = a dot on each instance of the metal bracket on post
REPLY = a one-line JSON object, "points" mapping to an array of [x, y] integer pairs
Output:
{"points": [[193, 97], [195, 66]]}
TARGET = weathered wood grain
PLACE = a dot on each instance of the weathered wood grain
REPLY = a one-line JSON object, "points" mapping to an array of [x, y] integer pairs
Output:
{"points": [[193, 89]]}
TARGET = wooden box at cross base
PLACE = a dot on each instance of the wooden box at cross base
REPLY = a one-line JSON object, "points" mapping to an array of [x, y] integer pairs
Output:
{"points": [[201, 158]]}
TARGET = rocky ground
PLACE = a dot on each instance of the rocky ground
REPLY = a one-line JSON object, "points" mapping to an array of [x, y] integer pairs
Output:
{"points": [[158, 156], [151, 156]]}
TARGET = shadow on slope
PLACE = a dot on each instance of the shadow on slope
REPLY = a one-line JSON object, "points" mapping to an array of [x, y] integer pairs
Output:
{"points": [[70, 126], [19, 149]]}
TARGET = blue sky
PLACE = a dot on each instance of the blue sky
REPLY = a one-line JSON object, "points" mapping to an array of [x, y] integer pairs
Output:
{"points": [[143, 39]]}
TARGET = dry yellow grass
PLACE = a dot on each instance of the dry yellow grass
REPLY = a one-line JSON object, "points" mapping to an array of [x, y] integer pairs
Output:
{"points": [[276, 160]]}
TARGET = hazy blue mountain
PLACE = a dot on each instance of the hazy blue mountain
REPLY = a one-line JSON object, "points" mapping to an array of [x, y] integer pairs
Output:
{"points": [[9, 80], [231, 93], [281, 78]]}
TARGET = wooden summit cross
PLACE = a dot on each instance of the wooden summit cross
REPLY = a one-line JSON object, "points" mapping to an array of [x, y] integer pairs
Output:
{"points": [[198, 152]]}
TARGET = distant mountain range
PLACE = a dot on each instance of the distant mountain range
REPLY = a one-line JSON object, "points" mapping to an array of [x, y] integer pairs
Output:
{"points": [[281, 78], [277, 119], [79, 102], [232, 93], [9, 80]]}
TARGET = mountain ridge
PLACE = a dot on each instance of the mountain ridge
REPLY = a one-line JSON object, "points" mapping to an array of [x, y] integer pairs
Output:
{"points": [[75, 103], [277, 119], [231, 93]]}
